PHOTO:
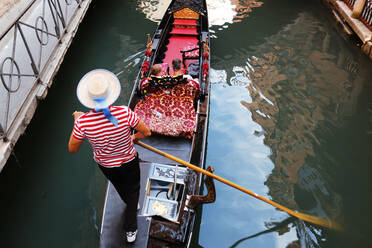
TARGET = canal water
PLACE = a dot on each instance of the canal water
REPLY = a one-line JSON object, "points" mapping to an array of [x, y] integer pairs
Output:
{"points": [[290, 119]]}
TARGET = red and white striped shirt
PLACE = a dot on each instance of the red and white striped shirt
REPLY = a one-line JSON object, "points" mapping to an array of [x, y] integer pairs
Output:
{"points": [[112, 145]]}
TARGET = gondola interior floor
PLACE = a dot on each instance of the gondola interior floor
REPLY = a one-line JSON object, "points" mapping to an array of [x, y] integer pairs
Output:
{"points": [[179, 147], [112, 235]]}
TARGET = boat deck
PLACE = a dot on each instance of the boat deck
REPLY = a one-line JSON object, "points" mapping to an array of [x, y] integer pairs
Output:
{"points": [[112, 234]]}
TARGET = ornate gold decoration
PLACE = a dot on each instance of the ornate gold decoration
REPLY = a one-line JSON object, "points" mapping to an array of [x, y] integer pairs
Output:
{"points": [[186, 13], [206, 47], [149, 43]]}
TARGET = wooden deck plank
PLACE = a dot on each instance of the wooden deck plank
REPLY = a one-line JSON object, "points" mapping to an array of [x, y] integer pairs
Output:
{"points": [[178, 147]]}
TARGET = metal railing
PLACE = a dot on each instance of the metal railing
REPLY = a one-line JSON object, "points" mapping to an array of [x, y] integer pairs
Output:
{"points": [[350, 3], [366, 16], [25, 52]]}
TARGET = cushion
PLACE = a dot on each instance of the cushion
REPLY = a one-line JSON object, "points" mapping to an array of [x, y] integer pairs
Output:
{"points": [[194, 53], [192, 67], [153, 84], [170, 112]]}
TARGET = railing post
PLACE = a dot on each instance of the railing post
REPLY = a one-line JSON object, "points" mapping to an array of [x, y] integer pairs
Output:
{"points": [[33, 64], [358, 8], [1, 131]]}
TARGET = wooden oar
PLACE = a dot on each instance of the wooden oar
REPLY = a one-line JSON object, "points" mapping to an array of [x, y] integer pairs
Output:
{"points": [[309, 218]]}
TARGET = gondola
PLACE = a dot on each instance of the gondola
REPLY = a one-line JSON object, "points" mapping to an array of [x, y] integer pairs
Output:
{"points": [[176, 110]]}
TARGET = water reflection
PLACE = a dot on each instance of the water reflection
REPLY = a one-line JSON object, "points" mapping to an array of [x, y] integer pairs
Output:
{"points": [[153, 9], [130, 54], [242, 8], [241, 78], [220, 12], [280, 227], [299, 87], [302, 86]]}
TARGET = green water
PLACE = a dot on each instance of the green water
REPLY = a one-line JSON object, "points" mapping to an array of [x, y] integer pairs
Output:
{"points": [[290, 119]]}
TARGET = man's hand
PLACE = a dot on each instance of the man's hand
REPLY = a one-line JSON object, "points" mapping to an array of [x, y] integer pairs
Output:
{"points": [[76, 114], [142, 132], [134, 138]]}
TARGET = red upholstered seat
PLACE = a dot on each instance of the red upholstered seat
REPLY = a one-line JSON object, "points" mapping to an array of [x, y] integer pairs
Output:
{"points": [[183, 36], [177, 44], [188, 22], [171, 111], [184, 31]]}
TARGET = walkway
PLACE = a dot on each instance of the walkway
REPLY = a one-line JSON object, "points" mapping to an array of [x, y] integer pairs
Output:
{"points": [[34, 37]]}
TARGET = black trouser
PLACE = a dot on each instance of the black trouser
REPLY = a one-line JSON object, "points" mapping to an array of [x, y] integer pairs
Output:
{"points": [[126, 180]]}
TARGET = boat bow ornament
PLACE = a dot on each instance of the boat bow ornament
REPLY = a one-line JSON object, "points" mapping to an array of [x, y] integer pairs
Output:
{"points": [[187, 9]]}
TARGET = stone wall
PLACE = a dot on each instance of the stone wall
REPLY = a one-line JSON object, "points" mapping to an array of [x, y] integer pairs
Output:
{"points": [[5, 5]]}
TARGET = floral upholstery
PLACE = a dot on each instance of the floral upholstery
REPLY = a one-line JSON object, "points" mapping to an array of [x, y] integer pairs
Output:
{"points": [[170, 111], [154, 83]]}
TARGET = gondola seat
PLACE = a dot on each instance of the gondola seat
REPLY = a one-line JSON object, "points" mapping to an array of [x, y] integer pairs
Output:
{"points": [[190, 60], [184, 35], [184, 31], [169, 111]]}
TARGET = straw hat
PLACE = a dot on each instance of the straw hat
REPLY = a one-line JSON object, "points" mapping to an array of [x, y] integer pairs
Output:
{"points": [[99, 83]]}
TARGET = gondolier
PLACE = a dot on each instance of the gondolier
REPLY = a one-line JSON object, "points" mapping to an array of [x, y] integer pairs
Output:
{"points": [[108, 130]]}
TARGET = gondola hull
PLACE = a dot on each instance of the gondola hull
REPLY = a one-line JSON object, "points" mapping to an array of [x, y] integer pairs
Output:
{"points": [[164, 219]]}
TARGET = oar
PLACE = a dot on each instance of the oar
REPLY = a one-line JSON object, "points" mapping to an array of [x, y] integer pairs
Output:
{"points": [[309, 218]]}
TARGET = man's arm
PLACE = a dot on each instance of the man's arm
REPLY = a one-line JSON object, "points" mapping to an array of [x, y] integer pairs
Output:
{"points": [[142, 131], [74, 143]]}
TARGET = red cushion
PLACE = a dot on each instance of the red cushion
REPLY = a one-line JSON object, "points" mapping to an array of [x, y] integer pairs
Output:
{"points": [[177, 44], [185, 31], [188, 22], [170, 112]]}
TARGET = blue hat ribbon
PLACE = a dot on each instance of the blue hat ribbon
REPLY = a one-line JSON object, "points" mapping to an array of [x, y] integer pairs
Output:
{"points": [[100, 103]]}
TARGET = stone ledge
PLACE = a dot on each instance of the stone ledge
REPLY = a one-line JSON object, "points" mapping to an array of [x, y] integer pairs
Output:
{"points": [[10, 11], [358, 27]]}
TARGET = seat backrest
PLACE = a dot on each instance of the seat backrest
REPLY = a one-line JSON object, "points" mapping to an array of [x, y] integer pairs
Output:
{"points": [[153, 84], [193, 69]]}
